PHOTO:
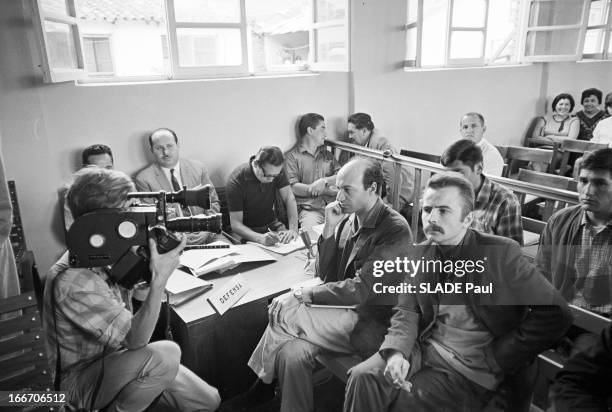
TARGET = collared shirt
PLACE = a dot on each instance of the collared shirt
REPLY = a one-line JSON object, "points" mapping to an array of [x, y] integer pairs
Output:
{"points": [[302, 166], [93, 314], [497, 211], [593, 259], [246, 193], [493, 162]]}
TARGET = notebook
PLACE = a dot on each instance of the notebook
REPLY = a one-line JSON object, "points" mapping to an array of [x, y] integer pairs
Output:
{"points": [[183, 286]]}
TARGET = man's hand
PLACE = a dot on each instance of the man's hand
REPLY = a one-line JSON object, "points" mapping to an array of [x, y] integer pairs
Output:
{"points": [[268, 239], [163, 265], [333, 216], [286, 236], [317, 187], [396, 371], [279, 304]]}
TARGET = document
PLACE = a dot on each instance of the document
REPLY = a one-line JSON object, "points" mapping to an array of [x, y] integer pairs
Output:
{"points": [[183, 286], [282, 248], [240, 254], [196, 258]]}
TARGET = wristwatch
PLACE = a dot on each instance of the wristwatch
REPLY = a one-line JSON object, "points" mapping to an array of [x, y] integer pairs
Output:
{"points": [[298, 295]]}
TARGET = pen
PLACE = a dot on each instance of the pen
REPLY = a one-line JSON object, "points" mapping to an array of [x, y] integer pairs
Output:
{"points": [[273, 233]]}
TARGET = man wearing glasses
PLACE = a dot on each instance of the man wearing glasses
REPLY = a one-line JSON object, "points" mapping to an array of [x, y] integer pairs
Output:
{"points": [[252, 191]]}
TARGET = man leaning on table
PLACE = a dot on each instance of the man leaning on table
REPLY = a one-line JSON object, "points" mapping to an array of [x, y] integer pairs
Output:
{"points": [[358, 230]]}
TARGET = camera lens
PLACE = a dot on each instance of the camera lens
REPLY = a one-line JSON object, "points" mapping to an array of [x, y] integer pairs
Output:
{"points": [[195, 224]]}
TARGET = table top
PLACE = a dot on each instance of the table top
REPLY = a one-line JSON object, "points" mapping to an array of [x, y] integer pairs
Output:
{"points": [[265, 279]]}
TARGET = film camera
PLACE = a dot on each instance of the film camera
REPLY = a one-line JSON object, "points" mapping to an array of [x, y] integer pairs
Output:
{"points": [[106, 237]]}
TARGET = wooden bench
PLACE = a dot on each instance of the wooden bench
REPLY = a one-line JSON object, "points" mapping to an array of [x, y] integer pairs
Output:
{"points": [[569, 146], [515, 155], [542, 179]]}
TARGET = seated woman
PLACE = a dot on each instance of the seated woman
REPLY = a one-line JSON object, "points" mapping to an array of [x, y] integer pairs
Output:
{"points": [[591, 113], [555, 127]]}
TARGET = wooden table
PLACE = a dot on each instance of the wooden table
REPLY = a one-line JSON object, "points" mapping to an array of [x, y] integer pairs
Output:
{"points": [[216, 347]]}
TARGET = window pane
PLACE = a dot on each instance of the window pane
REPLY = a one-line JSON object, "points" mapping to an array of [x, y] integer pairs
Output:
{"points": [[135, 27], [413, 10], [598, 12], [411, 44], [55, 6], [466, 44], [593, 41], [331, 45], [502, 28], [217, 11], [469, 13], [555, 13], [279, 34], [330, 10], [434, 32], [97, 53], [549, 43], [209, 47], [60, 45]]}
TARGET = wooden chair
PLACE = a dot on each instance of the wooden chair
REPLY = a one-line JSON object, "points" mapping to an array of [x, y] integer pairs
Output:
{"points": [[578, 147], [23, 360], [542, 179], [517, 154]]}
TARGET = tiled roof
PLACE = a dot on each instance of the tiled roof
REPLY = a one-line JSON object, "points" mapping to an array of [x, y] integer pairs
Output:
{"points": [[127, 10]]}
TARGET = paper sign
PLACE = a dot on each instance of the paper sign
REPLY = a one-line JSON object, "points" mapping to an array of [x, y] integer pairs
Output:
{"points": [[228, 294]]}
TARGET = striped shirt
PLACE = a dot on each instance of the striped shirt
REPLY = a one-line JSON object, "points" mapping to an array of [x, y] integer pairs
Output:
{"points": [[497, 211], [593, 260]]}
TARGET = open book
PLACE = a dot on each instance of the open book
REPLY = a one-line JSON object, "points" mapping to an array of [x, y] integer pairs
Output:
{"points": [[183, 286]]}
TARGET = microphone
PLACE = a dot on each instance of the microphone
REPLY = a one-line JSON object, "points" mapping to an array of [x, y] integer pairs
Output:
{"points": [[306, 239]]}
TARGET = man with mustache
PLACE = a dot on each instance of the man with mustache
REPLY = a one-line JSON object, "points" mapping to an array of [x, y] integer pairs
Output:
{"points": [[169, 172], [575, 247], [451, 351], [359, 230]]}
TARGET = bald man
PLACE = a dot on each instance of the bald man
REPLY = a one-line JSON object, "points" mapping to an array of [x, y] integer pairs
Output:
{"points": [[359, 229], [472, 127]]}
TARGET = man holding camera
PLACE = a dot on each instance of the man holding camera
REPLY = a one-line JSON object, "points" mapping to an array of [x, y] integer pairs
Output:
{"points": [[171, 173], [99, 350]]}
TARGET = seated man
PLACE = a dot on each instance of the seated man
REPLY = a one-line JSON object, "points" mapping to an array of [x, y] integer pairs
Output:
{"points": [[97, 155], [361, 131], [576, 244], [311, 170], [102, 350], [359, 229], [170, 173], [584, 383], [251, 194], [497, 210], [472, 127], [450, 351]]}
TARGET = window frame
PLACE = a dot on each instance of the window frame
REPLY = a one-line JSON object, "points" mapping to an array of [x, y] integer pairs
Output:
{"points": [[109, 38], [525, 29], [607, 28], [313, 35], [40, 16], [463, 62]]}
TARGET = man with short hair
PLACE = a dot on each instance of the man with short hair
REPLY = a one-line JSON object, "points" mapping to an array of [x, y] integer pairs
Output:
{"points": [[251, 196], [170, 173], [104, 358], [449, 350], [359, 230], [472, 127], [96, 155], [497, 210], [311, 170], [576, 244]]}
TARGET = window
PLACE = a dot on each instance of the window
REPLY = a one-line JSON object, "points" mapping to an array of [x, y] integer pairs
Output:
{"points": [[597, 44], [160, 39], [454, 33]]}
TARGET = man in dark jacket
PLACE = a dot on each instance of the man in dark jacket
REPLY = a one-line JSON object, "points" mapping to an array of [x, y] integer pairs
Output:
{"points": [[463, 324], [359, 231]]}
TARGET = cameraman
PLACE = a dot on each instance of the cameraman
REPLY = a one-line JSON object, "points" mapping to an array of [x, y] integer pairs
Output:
{"points": [[105, 360]]}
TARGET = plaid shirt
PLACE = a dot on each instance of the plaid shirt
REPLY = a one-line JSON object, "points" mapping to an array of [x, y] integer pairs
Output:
{"points": [[593, 259], [91, 316], [497, 211]]}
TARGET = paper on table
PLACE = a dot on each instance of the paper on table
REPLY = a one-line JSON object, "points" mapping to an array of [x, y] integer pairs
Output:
{"points": [[196, 258], [241, 254], [182, 286], [283, 248]]}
